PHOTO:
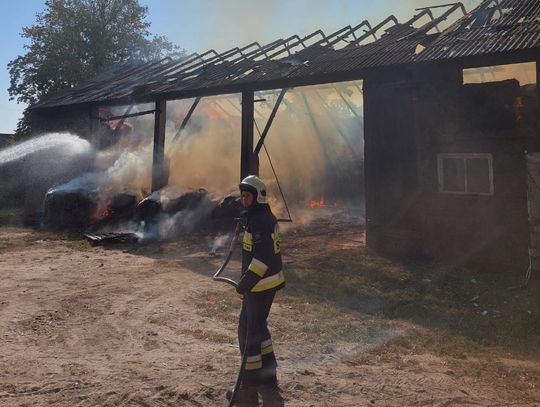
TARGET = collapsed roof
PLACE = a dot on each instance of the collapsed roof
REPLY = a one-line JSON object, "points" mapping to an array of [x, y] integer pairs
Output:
{"points": [[505, 30]]}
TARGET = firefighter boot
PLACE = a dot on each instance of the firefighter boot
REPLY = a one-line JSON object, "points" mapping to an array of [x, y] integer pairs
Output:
{"points": [[271, 396], [246, 396]]}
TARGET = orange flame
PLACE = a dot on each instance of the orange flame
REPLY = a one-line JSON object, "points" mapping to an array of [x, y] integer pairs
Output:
{"points": [[103, 210], [314, 203]]}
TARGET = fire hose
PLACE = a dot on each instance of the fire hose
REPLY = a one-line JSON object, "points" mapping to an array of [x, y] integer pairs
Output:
{"points": [[234, 239], [229, 281]]}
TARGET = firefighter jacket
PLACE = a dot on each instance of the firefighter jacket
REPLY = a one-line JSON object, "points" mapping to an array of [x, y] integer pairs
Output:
{"points": [[261, 256]]}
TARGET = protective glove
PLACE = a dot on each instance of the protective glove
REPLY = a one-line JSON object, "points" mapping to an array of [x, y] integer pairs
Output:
{"points": [[239, 292], [247, 282]]}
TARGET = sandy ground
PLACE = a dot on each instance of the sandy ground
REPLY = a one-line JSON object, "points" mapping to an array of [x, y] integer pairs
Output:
{"points": [[146, 326]]}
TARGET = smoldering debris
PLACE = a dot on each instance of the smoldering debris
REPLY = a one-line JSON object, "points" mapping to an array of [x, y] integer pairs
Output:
{"points": [[174, 211], [85, 201], [163, 215], [218, 243], [71, 205], [120, 208], [113, 237], [106, 195]]}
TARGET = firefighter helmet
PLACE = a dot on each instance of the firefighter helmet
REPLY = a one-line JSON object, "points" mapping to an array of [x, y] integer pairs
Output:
{"points": [[253, 184]]}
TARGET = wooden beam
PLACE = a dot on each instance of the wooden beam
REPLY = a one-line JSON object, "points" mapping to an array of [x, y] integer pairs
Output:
{"points": [[126, 115], [247, 166], [370, 167], [538, 95], [186, 119], [269, 122], [159, 172]]}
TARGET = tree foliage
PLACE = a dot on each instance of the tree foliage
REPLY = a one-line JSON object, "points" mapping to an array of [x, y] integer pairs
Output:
{"points": [[73, 40]]}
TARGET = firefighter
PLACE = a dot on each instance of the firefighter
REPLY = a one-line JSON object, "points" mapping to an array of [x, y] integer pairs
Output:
{"points": [[261, 278]]}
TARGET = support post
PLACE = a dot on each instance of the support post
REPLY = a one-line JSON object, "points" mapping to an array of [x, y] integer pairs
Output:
{"points": [[371, 180], [159, 172], [538, 93], [248, 164]]}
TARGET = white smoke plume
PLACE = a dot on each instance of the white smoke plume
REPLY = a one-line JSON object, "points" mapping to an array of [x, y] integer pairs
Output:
{"points": [[220, 242], [315, 140]]}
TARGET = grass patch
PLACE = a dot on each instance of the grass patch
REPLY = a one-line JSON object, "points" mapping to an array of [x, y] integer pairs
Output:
{"points": [[441, 343], [218, 305], [327, 331], [464, 309]]}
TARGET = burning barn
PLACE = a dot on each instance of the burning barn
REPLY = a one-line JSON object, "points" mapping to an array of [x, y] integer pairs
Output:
{"points": [[450, 111]]}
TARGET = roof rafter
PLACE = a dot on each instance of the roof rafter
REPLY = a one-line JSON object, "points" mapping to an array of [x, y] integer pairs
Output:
{"points": [[495, 30]]}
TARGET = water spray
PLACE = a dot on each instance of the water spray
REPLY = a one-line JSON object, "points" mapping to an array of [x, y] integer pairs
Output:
{"points": [[67, 143]]}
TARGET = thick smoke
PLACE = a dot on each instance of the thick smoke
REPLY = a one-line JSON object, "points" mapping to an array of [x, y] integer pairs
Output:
{"points": [[130, 172], [125, 166], [207, 153], [315, 144], [313, 141], [188, 220]]}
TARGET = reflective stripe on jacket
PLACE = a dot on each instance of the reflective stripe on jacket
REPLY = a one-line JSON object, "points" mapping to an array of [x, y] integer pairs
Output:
{"points": [[261, 254]]}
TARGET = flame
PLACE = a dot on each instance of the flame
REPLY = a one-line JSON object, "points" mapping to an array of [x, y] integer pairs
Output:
{"points": [[103, 210], [106, 212], [105, 113], [126, 125], [314, 203]]}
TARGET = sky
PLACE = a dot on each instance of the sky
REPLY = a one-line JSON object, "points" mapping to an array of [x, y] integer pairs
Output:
{"points": [[199, 25]]}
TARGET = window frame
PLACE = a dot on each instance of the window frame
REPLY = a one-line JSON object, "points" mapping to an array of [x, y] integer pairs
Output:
{"points": [[464, 156]]}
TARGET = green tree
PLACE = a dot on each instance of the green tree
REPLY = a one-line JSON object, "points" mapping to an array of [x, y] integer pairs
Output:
{"points": [[73, 40]]}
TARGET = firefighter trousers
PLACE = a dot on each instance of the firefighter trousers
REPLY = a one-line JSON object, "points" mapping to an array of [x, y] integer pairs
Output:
{"points": [[261, 365]]}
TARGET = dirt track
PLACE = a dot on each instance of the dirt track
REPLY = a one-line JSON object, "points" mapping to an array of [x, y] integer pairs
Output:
{"points": [[146, 326]]}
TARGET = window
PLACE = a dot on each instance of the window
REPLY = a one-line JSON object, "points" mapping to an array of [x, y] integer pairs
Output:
{"points": [[465, 173]]}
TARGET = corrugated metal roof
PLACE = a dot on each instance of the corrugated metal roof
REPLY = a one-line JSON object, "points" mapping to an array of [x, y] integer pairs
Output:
{"points": [[494, 27]]}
